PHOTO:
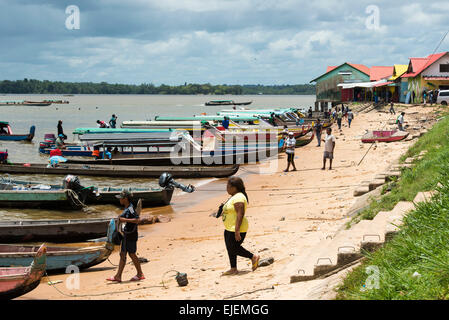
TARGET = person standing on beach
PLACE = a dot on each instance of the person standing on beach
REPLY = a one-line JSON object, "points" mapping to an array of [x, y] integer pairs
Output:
{"points": [[318, 128], [129, 242], [289, 147], [392, 108], [350, 116], [236, 225], [329, 146], [339, 118], [113, 121], [400, 121], [60, 130]]}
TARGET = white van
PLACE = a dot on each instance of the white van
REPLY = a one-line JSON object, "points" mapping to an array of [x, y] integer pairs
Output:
{"points": [[443, 97]]}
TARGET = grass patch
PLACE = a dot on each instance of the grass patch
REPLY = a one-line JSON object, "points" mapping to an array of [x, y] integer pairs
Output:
{"points": [[415, 264], [422, 177]]}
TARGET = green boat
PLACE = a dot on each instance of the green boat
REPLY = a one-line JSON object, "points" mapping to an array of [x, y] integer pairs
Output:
{"points": [[236, 118]]}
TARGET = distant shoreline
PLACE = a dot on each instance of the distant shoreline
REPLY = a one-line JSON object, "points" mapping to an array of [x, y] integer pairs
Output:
{"points": [[31, 86]]}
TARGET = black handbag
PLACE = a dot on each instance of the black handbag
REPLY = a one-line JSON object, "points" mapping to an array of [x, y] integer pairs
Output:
{"points": [[219, 211], [117, 237]]}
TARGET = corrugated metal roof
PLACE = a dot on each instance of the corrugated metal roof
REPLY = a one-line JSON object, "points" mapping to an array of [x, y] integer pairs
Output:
{"points": [[399, 70], [418, 65], [380, 72], [360, 67]]}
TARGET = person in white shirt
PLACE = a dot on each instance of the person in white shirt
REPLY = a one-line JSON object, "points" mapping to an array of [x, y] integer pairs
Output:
{"points": [[289, 147], [329, 146], [400, 121]]}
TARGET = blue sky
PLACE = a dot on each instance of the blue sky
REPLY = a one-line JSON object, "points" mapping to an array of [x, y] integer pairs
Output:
{"points": [[216, 41]]}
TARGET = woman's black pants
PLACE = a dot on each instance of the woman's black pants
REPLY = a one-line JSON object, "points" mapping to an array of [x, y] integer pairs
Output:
{"points": [[235, 247]]}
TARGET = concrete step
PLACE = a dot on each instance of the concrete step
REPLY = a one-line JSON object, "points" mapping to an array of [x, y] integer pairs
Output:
{"points": [[394, 220], [347, 245], [376, 183]]}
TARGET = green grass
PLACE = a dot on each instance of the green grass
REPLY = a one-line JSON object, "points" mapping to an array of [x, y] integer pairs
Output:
{"points": [[422, 245], [422, 177]]}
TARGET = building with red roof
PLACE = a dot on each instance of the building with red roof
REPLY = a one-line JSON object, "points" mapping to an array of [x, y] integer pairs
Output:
{"points": [[424, 75]]}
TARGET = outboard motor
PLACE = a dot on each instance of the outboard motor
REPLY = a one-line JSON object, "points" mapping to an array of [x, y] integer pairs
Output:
{"points": [[73, 183], [166, 181]]}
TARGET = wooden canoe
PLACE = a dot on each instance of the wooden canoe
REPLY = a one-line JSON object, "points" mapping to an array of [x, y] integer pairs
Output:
{"points": [[59, 257], [192, 171], [384, 136], [42, 199], [213, 158], [58, 197], [57, 231], [16, 281]]}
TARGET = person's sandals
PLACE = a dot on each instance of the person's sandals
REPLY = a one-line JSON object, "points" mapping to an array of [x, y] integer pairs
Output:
{"points": [[113, 279], [256, 263], [229, 273], [137, 278]]}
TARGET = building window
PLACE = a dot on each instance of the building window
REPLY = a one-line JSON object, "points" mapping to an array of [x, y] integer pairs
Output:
{"points": [[345, 73], [444, 67]]}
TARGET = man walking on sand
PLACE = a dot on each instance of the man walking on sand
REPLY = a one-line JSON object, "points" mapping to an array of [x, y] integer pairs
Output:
{"points": [[400, 121], [350, 117], [129, 242], [329, 146], [392, 108], [289, 146]]}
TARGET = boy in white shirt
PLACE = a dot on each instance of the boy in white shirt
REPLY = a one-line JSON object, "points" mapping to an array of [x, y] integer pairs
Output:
{"points": [[329, 146], [289, 146]]}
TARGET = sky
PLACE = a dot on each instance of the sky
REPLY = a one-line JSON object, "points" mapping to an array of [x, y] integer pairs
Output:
{"points": [[270, 42]]}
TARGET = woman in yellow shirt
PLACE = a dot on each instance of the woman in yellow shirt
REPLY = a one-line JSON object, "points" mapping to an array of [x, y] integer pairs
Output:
{"points": [[236, 225]]}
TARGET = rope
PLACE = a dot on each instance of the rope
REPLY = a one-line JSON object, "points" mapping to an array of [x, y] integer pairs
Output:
{"points": [[75, 198], [98, 294], [373, 143]]}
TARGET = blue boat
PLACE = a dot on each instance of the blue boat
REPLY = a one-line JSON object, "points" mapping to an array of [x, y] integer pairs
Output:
{"points": [[60, 257], [6, 133]]}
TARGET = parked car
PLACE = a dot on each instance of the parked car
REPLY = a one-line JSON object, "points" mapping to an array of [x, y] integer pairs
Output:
{"points": [[443, 97]]}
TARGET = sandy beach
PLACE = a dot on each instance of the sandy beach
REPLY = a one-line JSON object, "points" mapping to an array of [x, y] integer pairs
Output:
{"points": [[288, 214]]}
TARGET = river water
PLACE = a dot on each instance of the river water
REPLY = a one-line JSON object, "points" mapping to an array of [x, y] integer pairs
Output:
{"points": [[84, 111]]}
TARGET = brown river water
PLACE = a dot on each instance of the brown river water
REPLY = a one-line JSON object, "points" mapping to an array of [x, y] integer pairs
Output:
{"points": [[84, 110]]}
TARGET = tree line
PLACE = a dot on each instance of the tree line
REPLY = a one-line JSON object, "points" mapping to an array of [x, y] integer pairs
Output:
{"points": [[30, 86]]}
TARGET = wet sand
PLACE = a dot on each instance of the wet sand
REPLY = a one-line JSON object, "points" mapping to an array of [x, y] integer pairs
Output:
{"points": [[287, 213]]}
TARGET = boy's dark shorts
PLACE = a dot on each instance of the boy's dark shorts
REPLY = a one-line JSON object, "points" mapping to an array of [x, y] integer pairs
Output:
{"points": [[129, 246]]}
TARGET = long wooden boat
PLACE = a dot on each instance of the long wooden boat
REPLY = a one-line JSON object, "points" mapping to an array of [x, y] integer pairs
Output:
{"points": [[384, 136], [74, 196], [64, 199], [220, 157], [190, 172], [226, 103], [305, 139], [37, 103], [16, 281], [6, 133], [56, 231], [59, 257]]}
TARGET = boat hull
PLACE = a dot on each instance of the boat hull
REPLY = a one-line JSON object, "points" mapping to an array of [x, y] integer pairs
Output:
{"points": [[124, 171], [384, 136], [57, 231], [16, 281], [58, 199], [58, 258], [207, 158]]}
